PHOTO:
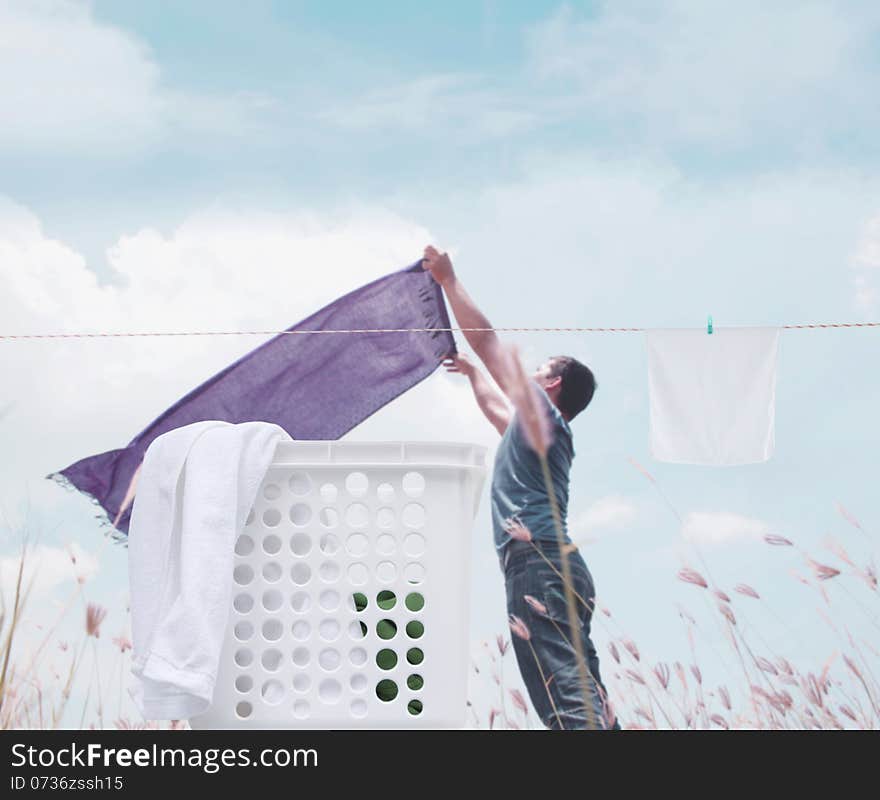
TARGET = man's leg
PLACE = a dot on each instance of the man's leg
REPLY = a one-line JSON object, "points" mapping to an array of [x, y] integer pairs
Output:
{"points": [[546, 658], [589, 648]]}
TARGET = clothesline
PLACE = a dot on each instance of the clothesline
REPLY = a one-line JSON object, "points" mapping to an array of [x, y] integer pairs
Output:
{"points": [[3, 337]]}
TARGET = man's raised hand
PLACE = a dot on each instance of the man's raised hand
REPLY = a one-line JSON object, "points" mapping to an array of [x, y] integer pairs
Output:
{"points": [[439, 265]]}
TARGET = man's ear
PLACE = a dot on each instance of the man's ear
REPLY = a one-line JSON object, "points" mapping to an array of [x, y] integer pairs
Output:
{"points": [[554, 382]]}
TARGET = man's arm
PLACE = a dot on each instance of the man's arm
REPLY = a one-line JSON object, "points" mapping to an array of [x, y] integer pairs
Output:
{"points": [[491, 402], [485, 343]]}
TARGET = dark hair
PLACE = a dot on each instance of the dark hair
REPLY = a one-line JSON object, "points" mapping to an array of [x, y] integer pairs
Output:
{"points": [[578, 385]]}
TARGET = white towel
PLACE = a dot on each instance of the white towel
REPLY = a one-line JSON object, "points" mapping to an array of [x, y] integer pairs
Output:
{"points": [[713, 396], [197, 485]]}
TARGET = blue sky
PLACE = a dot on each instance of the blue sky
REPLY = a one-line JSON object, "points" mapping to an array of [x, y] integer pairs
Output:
{"points": [[190, 166]]}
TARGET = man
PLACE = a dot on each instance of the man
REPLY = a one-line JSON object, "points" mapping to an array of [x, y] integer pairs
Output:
{"points": [[524, 530]]}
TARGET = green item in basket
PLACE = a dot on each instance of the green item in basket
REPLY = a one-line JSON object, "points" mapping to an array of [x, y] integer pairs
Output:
{"points": [[386, 600], [386, 629], [386, 690], [415, 601], [386, 659]]}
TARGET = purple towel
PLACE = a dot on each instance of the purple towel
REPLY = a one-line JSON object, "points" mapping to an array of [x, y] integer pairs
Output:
{"points": [[315, 386]]}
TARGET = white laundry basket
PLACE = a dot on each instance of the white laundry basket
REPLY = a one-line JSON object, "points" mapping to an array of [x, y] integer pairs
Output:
{"points": [[350, 590]]}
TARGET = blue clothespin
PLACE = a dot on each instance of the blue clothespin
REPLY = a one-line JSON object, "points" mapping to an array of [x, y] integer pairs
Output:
{"points": [[709, 330]]}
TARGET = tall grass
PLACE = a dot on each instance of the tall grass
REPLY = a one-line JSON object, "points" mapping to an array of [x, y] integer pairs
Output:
{"points": [[35, 692], [767, 689]]}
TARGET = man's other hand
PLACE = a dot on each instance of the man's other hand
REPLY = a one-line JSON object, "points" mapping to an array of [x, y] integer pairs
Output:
{"points": [[439, 264], [459, 363]]}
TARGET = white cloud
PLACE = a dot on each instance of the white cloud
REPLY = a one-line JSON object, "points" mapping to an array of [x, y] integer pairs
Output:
{"points": [[683, 73], [868, 254], [867, 295], [597, 242], [866, 263], [721, 527], [694, 72], [218, 270], [447, 105], [607, 513], [71, 83], [44, 568]]}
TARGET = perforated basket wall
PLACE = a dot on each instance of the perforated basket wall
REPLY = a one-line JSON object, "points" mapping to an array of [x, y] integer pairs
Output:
{"points": [[350, 590]]}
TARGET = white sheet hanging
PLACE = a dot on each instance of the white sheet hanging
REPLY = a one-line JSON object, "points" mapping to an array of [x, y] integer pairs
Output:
{"points": [[712, 396]]}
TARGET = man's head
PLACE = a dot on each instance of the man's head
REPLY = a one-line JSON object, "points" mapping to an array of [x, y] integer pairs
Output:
{"points": [[568, 383]]}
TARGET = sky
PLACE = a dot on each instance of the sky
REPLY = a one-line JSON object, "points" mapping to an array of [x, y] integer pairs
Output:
{"points": [[197, 166]]}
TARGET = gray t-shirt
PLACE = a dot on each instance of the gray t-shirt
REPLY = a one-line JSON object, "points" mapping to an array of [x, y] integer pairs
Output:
{"points": [[518, 487]]}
